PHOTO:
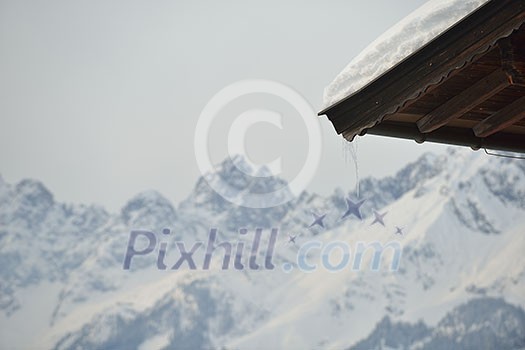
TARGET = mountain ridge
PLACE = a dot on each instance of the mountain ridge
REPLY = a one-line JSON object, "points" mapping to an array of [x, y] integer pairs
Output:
{"points": [[460, 214]]}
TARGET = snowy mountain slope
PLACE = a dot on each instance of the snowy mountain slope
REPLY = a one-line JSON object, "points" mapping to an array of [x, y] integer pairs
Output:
{"points": [[462, 220], [443, 259], [482, 323]]}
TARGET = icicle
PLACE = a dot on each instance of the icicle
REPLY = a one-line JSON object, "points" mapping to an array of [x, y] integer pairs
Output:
{"points": [[354, 154], [350, 151], [344, 150]]}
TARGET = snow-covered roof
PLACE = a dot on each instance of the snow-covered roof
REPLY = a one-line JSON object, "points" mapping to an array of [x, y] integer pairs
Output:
{"points": [[396, 44]]}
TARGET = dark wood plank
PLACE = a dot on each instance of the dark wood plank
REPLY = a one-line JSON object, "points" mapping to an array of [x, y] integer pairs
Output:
{"points": [[436, 95], [450, 135], [513, 58], [502, 119], [464, 102]]}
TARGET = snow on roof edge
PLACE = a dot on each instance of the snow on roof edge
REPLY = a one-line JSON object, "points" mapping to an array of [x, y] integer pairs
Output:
{"points": [[399, 42]]}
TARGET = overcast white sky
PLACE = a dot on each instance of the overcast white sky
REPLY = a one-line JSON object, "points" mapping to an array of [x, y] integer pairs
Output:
{"points": [[99, 99]]}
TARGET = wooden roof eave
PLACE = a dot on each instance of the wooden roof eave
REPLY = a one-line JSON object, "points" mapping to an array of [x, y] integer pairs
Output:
{"points": [[452, 50]]}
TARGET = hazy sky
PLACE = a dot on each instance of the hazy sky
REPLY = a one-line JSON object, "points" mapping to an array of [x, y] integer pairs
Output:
{"points": [[100, 99]]}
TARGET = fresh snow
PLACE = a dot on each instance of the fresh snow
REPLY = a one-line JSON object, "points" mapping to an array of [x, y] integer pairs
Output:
{"points": [[396, 44]]}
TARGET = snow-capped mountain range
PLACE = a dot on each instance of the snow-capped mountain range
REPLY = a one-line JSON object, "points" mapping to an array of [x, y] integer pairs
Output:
{"points": [[461, 280]]}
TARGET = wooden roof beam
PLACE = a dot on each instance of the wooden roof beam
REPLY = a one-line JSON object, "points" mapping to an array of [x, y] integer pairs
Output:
{"points": [[501, 119], [513, 58], [502, 141], [465, 101]]}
